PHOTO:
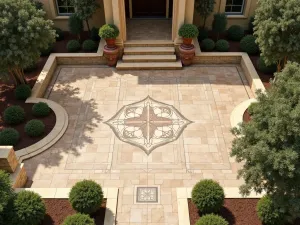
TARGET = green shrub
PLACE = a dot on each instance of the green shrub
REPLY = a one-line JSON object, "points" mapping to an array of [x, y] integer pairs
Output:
{"points": [[41, 109], [188, 31], [248, 45], [14, 115], [22, 92], [95, 34], [268, 213], [89, 45], [34, 128], [9, 136], [59, 34], [86, 196], [261, 65], [47, 51], [208, 196], [6, 193], [73, 46], [251, 25], [211, 219], [208, 44], [79, 219], [109, 31], [29, 208], [30, 68], [75, 25], [222, 46], [236, 33], [219, 23], [37, 4], [203, 34]]}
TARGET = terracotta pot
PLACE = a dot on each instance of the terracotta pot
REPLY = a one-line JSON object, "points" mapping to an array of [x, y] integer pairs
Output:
{"points": [[187, 41], [187, 54], [111, 54], [111, 42]]}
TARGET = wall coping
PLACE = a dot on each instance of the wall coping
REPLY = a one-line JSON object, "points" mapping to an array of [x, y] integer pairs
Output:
{"points": [[111, 195], [236, 116]]}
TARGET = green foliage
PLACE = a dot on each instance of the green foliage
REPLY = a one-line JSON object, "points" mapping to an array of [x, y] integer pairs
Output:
{"points": [[41, 109], [22, 92], [29, 209], [204, 8], [6, 193], [188, 31], [203, 34], [235, 33], [268, 213], [37, 4], [73, 46], [9, 136], [211, 219], [268, 145], [251, 25], [59, 34], [79, 219], [222, 46], [109, 31], [75, 25], [95, 34], [277, 29], [14, 115], [248, 45], [208, 196], [30, 68], [261, 65], [208, 44], [219, 23], [34, 128], [47, 51], [89, 46], [86, 196], [24, 33]]}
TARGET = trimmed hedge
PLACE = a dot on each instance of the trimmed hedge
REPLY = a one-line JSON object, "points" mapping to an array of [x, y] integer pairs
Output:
{"points": [[59, 34], [208, 44], [73, 46], [14, 115], [268, 213], [22, 92], [248, 45], [203, 34], [34, 128], [211, 219], [41, 109], [9, 136], [79, 219], [235, 33], [222, 46], [95, 34], [251, 25], [188, 31], [89, 46], [261, 65]]}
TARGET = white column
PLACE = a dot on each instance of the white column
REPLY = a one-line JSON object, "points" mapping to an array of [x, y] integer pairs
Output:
{"points": [[119, 19], [178, 19], [108, 11]]}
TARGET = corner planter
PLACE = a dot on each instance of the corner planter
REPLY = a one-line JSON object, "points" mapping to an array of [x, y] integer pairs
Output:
{"points": [[186, 53], [111, 54]]}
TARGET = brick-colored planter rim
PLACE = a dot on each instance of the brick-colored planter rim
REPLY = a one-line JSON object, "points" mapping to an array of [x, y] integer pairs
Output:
{"points": [[237, 114]]}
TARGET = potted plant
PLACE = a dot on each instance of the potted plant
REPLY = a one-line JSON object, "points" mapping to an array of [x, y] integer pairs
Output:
{"points": [[109, 32], [188, 32]]}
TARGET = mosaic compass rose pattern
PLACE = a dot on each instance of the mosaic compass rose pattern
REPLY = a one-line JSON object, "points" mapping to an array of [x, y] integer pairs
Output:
{"points": [[148, 124]]}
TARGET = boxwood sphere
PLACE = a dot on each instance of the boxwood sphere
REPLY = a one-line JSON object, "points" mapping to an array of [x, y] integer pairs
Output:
{"points": [[89, 45], [34, 128], [73, 46], [86, 196], [22, 92], [248, 45], [208, 196], [268, 213], [14, 115], [235, 33], [208, 44], [222, 46], [79, 219], [9, 136], [188, 31], [211, 219], [261, 65], [29, 208], [41, 109]]}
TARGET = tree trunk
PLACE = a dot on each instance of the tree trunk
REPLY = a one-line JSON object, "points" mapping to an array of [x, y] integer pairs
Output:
{"points": [[279, 66], [87, 24], [18, 76]]}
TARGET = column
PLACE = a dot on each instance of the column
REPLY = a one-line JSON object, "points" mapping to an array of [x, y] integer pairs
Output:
{"points": [[108, 11], [119, 19], [189, 11], [178, 19]]}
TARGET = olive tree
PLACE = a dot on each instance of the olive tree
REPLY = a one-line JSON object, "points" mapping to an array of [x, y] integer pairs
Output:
{"points": [[204, 8], [277, 28], [24, 33], [269, 144]]}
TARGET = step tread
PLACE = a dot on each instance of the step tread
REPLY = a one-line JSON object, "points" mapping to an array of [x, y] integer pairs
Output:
{"points": [[136, 43], [149, 57], [149, 65], [148, 49]]}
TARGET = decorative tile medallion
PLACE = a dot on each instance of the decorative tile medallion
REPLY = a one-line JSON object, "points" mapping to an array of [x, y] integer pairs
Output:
{"points": [[148, 124], [147, 195]]}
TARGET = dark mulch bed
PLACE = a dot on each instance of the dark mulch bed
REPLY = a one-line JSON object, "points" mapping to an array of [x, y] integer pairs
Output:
{"points": [[58, 209]]}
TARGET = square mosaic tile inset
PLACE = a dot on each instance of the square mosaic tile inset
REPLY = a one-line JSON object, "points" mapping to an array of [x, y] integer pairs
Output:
{"points": [[147, 195]]}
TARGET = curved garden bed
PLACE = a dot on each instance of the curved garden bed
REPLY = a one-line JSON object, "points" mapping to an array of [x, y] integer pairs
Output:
{"points": [[246, 116]]}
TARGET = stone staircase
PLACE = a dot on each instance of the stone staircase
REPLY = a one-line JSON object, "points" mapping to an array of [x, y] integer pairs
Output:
{"points": [[148, 55]]}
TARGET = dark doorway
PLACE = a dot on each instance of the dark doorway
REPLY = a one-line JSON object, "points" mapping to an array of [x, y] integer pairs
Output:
{"points": [[149, 8]]}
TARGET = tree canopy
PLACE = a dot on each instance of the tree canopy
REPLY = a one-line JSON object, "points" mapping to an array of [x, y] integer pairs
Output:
{"points": [[269, 145], [204, 8]]}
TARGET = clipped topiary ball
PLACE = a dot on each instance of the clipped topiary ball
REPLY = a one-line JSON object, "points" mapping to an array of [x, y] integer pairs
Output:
{"points": [[89, 45], [9, 136], [41, 109], [59, 34], [261, 65], [203, 34], [86, 196], [208, 44], [222, 46], [211, 219], [79, 219], [235, 33], [14, 115], [29, 208], [95, 34], [22, 92], [188, 31], [73, 46], [208, 196], [248, 45], [34, 128]]}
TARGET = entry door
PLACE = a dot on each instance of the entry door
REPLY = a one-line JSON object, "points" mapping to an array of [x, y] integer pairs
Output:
{"points": [[149, 8]]}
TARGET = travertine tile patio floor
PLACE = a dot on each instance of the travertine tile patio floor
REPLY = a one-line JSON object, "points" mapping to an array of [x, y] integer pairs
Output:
{"points": [[205, 95]]}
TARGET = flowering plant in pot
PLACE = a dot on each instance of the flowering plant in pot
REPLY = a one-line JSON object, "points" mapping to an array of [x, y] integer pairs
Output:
{"points": [[109, 32], [188, 32]]}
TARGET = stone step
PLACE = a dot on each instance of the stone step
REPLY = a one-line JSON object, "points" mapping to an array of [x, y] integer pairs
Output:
{"points": [[149, 43], [149, 65], [149, 58], [149, 50]]}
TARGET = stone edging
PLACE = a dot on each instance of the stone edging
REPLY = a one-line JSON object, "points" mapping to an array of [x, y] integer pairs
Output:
{"points": [[111, 195], [237, 114], [56, 133], [183, 194]]}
